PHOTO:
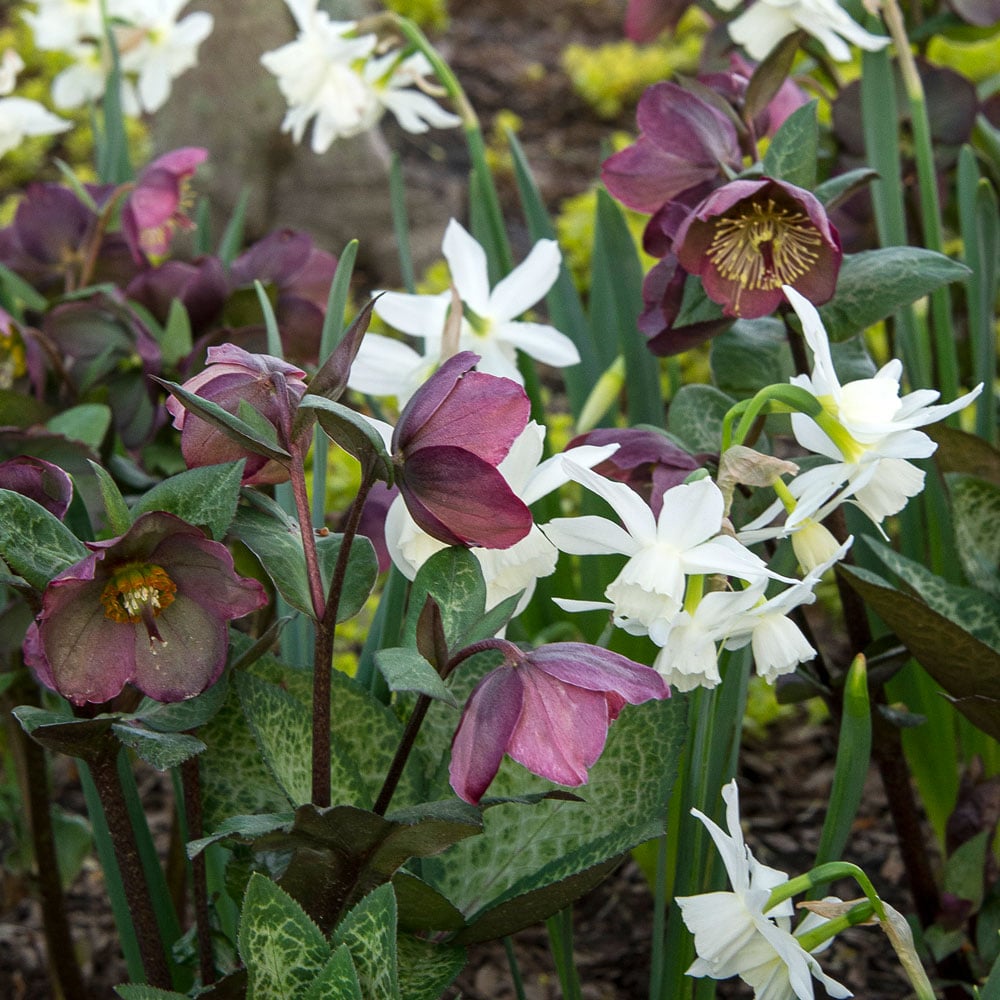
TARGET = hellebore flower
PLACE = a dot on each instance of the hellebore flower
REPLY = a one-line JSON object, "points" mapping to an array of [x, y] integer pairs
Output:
{"points": [[749, 238], [446, 447], [549, 709], [735, 936], [155, 208], [489, 325], [683, 142], [149, 608], [199, 285], [41, 481], [271, 386], [510, 570], [759, 28]]}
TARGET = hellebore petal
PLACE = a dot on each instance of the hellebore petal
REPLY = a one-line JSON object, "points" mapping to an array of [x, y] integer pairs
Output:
{"points": [[41, 481], [149, 608], [549, 709], [750, 237]]}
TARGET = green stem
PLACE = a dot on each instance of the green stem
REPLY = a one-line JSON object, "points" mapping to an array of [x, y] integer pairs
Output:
{"points": [[191, 781]]}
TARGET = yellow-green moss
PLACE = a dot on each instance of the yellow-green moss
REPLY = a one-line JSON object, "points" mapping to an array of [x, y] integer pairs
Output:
{"points": [[431, 14]]}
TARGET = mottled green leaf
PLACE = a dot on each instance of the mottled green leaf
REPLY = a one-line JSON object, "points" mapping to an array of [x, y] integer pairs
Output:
{"points": [[205, 496], [283, 950], [352, 432], [791, 155], [750, 355], [87, 423], [180, 716], [132, 991], [975, 507], [338, 979], [243, 828], [426, 969], [695, 417], [875, 283], [369, 932], [159, 750], [405, 669], [454, 578], [34, 543]]}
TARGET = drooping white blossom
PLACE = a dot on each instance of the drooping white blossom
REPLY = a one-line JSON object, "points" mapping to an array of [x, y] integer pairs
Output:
{"points": [[19, 116]]}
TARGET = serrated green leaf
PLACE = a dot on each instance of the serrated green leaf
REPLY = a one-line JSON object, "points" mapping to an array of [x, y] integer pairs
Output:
{"points": [[134, 991], [695, 417], [283, 950], [338, 979], [181, 716], [875, 283], [792, 153], [205, 497], [352, 432], [454, 578], [115, 508], [404, 669], [244, 828], [426, 969], [64, 734], [750, 355], [34, 543], [277, 543], [976, 512], [837, 189], [369, 932], [160, 750]]}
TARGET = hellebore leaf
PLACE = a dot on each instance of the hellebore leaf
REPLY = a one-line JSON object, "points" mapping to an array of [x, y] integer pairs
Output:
{"points": [[159, 750], [454, 578], [205, 497], [34, 543], [352, 432], [283, 950], [369, 932], [406, 670], [976, 511], [791, 156], [338, 978], [875, 283], [426, 969], [695, 417]]}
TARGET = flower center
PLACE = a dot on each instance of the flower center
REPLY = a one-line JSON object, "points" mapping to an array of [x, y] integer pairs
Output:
{"points": [[137, 592], [764, 247], [13, 362]]}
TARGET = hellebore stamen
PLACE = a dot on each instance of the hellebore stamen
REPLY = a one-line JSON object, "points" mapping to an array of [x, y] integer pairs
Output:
{"points": [[764, 247], [138, 592]]}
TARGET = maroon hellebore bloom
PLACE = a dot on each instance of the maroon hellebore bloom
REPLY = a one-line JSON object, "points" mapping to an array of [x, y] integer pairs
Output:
{"points": [[38, 480], [156, 206], [548, 709], [683, 142], [149, 608], [750, 237], [455, 430], [268, 384]]}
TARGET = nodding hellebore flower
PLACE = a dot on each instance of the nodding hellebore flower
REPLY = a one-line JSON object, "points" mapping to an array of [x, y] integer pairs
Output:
{"points": [[149, 608], [549, 709], [749, 238], [451, 436], [41, 481], [271, 386], [156, 207]]}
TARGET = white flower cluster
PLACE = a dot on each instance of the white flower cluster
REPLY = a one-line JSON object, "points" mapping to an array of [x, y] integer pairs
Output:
{"points": [[154, 42], [337, 80], [19, 116]]}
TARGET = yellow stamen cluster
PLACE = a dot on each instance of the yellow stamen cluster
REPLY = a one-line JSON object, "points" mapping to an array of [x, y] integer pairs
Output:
{"points": [[136, 592], [13, 361], [765, 246]]}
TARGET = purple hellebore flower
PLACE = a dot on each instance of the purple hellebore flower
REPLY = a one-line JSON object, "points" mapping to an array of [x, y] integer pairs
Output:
{"points": [[455, 430], [41, 481], [200, 285], [646, 460], [268, 384], [156, 206], [750, 237], [149, 608], [548, 709], [683, 142], [645, 19]]}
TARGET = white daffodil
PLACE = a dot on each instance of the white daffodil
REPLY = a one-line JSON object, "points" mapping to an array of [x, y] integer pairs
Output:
{"points": [[19, 116], [647, 594], [58, 25], [759, 28], [159, 46], [387, 367], [506, 571], [318, 74], [489, 325], [734, 936], [401, 87]]}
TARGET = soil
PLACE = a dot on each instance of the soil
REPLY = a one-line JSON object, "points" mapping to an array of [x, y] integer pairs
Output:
{"points": [[496, 47]]}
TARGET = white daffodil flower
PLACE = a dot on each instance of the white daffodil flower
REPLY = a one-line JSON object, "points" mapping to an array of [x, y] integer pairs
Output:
{"points": [[400, 87], [58, 25], [759, 28], [489, 326], [160, 46], [506, 571], [647, 594], [19, 116], [734, 936]]}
